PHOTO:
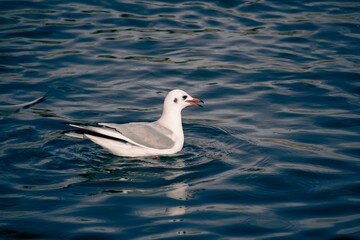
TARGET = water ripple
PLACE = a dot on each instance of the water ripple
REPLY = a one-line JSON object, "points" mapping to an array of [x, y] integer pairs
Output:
{"points": [[273, 155]]}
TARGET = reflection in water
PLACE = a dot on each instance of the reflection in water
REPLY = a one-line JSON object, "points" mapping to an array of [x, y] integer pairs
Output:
{"points": [[175, 211], [179, 191], [129, 171]]}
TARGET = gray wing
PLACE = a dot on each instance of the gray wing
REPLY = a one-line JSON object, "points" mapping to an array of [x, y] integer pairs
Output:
{"points": [[151, 135]]}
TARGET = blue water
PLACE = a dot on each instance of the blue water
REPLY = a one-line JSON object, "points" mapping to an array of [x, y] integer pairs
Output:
{"points": [[274, 154]]}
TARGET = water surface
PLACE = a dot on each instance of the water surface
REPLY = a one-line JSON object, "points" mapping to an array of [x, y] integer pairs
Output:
{"points": [[273, 155]]}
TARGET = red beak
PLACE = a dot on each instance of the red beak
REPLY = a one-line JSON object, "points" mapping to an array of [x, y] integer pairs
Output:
{"points": [[195, 100]]}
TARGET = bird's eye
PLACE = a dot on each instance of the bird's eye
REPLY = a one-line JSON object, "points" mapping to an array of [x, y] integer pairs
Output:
{"points": [[184, 97]]}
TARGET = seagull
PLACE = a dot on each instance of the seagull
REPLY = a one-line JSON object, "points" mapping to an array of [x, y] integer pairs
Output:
{"points": [[138, 139]]}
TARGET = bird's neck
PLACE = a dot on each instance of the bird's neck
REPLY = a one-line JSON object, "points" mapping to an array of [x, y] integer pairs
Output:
{"points": [[172, 121]]}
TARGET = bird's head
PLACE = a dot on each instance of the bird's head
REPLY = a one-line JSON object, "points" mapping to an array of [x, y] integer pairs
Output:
{"points": [[180, 99]]}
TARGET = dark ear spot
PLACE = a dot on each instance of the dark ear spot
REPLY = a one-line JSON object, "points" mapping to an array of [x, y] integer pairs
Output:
{"points": [[175, 100]]}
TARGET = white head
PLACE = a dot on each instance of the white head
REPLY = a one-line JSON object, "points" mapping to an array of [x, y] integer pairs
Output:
{"points": [[179, 99], [174, 102]]}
